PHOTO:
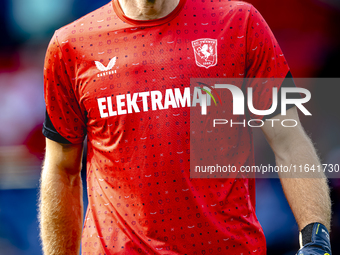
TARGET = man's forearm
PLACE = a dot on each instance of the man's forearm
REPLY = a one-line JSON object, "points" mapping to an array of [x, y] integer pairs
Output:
{"points": [[61, 212], [308, 197]]}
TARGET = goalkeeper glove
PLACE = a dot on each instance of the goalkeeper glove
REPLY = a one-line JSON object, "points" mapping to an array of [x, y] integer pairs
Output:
{"points": [[314, 240]]}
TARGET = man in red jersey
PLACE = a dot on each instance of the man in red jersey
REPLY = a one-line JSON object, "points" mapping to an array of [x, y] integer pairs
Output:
{"points": [[121, 76]]}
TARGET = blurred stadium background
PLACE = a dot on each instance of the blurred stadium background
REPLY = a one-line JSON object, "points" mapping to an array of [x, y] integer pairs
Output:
{"points": [[308, 32]]}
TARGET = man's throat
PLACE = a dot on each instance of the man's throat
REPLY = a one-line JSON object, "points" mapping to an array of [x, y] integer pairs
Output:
{"points": [[147, 9]]}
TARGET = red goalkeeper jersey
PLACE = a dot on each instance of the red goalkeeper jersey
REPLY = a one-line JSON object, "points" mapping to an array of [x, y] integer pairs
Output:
{"points": [[125, 84]]}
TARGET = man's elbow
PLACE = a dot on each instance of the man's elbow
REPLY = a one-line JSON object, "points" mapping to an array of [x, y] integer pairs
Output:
{"points": [[63, 172], [292, 145]]}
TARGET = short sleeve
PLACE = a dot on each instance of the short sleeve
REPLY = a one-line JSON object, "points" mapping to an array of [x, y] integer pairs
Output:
{"points": [[65, 117], [266, 66]]}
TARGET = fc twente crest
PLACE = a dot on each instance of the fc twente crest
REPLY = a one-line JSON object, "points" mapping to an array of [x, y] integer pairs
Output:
{"points": [[205, 52]]}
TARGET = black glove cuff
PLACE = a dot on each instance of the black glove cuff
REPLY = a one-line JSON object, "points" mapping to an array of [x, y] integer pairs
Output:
{"points": [[314, 239], [307, 233]]}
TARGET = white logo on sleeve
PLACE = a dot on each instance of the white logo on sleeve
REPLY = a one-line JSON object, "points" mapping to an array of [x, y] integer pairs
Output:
{"points": [[106, 70]]}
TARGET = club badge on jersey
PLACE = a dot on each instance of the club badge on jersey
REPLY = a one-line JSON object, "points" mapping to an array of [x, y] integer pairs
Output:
{"points": [[205, 52]]}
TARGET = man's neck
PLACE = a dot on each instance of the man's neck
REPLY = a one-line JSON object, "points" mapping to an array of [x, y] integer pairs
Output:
{"points": [[147, 9]]}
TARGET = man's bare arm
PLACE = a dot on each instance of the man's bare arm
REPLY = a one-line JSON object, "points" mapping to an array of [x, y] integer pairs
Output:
{"points": [[308, 198], [61, 199]]}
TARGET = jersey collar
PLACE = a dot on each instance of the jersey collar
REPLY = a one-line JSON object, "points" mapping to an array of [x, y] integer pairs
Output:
{"points": [[145, 23]]}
